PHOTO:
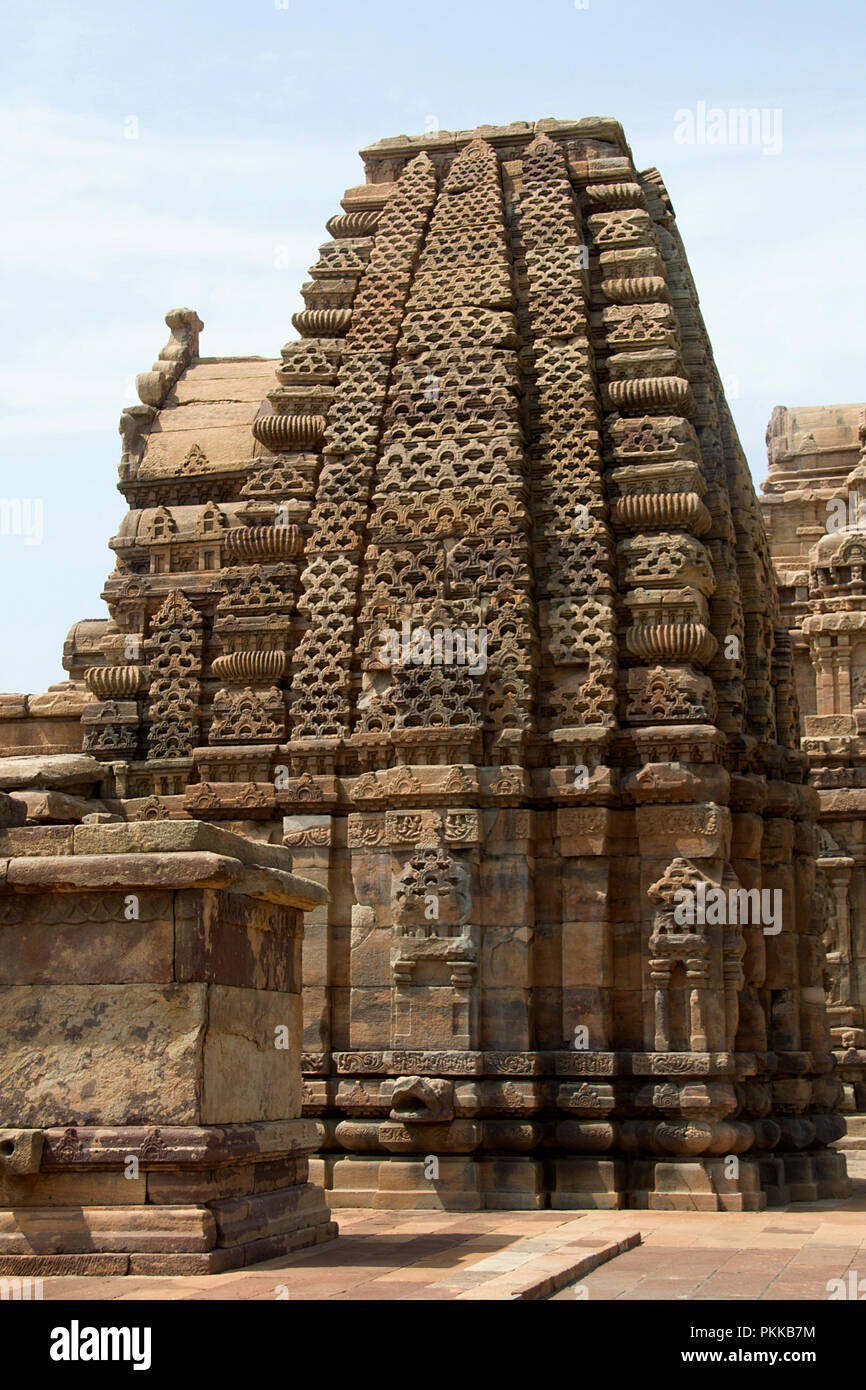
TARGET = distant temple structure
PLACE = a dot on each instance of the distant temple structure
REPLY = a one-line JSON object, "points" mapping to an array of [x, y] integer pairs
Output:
{"points": [[468, 602], [815, 512]]}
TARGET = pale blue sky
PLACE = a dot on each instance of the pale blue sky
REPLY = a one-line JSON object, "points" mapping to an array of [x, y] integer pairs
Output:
{"points": [[249, 119]]}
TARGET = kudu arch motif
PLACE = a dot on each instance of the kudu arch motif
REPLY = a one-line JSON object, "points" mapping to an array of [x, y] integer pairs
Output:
{"points": [[502, 416]]}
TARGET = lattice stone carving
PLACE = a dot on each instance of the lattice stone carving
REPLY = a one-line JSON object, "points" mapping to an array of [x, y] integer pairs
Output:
{"points": [[174, 650]]}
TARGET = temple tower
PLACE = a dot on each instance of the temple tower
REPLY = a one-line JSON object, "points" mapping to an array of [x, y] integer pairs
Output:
{"points": [[473, 609]]}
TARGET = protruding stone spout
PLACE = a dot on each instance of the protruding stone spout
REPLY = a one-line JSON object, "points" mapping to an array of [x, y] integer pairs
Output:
{"points": [[422, 1100]]}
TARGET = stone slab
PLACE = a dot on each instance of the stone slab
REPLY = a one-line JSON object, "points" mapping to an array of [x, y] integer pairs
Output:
{"points": [[246, 1076], [52, 770], [154, 870], [102, 1054]]}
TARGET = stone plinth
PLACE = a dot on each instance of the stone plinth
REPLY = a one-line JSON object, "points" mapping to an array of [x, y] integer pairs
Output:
{"points": [[150, 1004]]}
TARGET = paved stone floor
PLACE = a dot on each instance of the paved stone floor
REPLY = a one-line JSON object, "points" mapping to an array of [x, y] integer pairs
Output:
{"points": [[786, 1253]]}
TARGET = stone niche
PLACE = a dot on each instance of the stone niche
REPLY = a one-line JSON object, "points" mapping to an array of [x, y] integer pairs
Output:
{"points": [[150, 1005]]}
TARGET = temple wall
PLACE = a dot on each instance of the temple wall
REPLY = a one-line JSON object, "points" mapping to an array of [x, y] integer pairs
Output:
{"points": [[812, 506]]}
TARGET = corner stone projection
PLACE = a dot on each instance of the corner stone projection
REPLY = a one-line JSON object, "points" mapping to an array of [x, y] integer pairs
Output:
{"points": [[503, 416]]}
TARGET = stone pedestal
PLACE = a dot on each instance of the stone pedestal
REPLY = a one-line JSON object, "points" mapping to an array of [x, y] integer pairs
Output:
{"points": [[150, 1004]]}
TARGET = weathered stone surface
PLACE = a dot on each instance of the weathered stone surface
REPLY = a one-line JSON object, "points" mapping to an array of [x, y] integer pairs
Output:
{"points": [[157, 870], [45, 938], [32, 840], [270, 1213], [102, 1054], [202, 1185], [57, 770], [173, 1147], [20, 1151], [229, 940], [72, 1190], [52, 806], [71, 1230], [250, 1072], [188, 836], [60, 702], [13, 706], [133, 1053], [12, 812]]}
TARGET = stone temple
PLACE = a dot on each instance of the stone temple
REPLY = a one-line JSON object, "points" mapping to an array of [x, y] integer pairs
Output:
{"points": [[815, 512], [466, 603]]}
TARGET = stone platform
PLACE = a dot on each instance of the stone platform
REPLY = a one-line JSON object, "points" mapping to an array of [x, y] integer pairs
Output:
{"points": [[790, 1253]]}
